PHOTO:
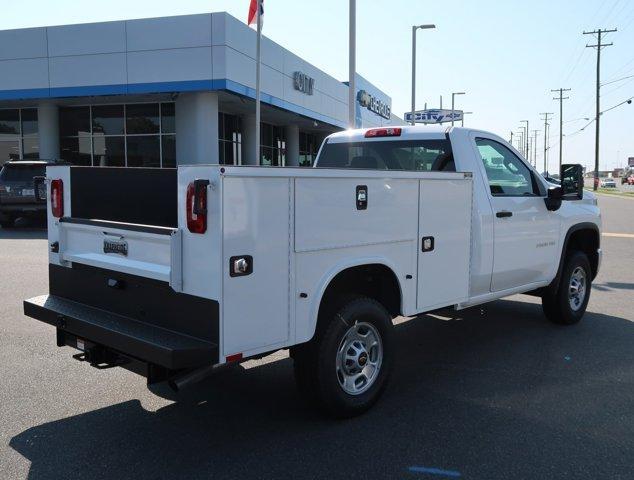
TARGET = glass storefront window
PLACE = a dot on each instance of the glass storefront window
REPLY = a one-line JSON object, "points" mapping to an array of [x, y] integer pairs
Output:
{"points": [[29, 122], [308, 146], [74, 121], [18, 134], [132, 135], [168, 118], [9, 150], [272, 145], [142, 118], [108, 119], [230, 139], [77, 150], [169, 151], [9, 122], [144, 151], [108, 151], [31, 148]]}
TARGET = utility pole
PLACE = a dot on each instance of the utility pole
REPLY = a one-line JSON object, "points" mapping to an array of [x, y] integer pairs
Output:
{"points": [[535, 132], [561, 99], [352, 64], [526, 139], [546, 114], [599, 45]]}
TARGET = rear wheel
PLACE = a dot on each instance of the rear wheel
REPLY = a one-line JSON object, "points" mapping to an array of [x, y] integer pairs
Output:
{"points": [[568, 304], [345, 368]]}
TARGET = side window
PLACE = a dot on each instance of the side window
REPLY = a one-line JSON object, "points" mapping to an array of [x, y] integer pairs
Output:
{"points": [[507, 174]]}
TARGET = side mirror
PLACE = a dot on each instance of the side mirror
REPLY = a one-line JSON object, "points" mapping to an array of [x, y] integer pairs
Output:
{"points": [[554, 198], [39, 188], [571, 176]]}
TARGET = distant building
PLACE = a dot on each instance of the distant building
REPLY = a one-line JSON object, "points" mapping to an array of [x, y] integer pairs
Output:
{"points": [[160, 92]]}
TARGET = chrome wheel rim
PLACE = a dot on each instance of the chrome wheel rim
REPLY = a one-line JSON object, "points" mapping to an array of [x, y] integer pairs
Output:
{"points": [[577, 288], [359, 358]]}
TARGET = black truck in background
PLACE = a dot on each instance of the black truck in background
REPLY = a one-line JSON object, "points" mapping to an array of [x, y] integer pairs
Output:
{"points": [[18, 191]]}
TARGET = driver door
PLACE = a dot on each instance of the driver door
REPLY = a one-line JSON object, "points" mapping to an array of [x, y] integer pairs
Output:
{"points": [[526, 234]]}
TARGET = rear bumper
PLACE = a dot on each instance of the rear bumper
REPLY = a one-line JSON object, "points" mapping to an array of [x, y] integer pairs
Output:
{"points": [[142, 341]]}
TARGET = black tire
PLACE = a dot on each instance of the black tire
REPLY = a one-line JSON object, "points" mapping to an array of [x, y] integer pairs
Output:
{"points": [[557, 305], [315, 363]]}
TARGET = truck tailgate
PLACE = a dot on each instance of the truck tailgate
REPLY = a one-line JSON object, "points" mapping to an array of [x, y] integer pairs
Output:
{"points": [[146, 251]]}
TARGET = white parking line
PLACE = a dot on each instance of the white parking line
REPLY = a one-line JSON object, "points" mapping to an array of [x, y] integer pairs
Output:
{"points": [[618, 235]]}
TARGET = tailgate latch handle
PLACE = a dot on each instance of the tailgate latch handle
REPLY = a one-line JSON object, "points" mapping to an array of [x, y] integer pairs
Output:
{"points": [[200, 185]]}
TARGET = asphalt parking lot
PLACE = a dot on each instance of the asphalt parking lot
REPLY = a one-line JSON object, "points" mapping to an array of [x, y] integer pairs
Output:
{"points": [[493, 394]]}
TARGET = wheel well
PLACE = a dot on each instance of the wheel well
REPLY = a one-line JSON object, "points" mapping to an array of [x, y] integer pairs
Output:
{"points": [[375, 281], [587, 241]]}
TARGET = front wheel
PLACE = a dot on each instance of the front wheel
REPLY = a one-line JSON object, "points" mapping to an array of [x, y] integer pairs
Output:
{"points": [[567, 305], [345, 369]]}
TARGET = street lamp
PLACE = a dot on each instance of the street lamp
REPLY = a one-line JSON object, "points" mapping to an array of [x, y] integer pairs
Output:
{"points": [[576, 120], [414, 28], [453, 95], [466, 113]]}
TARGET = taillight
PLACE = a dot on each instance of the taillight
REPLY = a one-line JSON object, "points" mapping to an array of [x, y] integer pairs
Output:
{"points": [[57, 198], [197, 206], [383, 132]]}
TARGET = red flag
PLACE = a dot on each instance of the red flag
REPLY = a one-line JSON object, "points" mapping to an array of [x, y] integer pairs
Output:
{"points": [[252, 10]]}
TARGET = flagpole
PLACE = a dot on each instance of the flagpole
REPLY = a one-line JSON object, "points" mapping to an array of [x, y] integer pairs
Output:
{"points": [[257, 83], [352, 64]]}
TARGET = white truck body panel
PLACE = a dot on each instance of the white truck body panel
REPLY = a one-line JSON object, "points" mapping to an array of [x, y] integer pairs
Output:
{"points": [[302, 228]]}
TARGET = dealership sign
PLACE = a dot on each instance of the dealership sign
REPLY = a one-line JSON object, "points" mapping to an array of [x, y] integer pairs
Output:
{"points": [[630, 162], [303, 83], [435, 115], [373, 104]]}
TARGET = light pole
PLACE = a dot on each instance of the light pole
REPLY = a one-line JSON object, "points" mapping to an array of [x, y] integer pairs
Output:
{"points": [[467, 113], [453, 96], [414, 28]]}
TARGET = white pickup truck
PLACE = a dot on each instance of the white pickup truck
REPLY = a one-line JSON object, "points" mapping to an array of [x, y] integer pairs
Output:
{"points": [[173, 273]]}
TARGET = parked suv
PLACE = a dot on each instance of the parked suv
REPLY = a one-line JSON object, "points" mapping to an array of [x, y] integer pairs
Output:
{"points": [[17, 191]]}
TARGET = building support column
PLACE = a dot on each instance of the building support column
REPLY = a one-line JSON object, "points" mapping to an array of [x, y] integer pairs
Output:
{"points": [[249, 155], [292, 145], [197, 128], [48, 131]]}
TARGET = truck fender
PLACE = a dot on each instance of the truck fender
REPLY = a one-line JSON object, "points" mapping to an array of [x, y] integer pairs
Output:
{"points": [[335, 270], [562, 254]]}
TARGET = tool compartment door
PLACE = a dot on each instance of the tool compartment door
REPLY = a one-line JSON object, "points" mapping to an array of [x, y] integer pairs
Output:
{"points": [[444, 228], [256, 224]]}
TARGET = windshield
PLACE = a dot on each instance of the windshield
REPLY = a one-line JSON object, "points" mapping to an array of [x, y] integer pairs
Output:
{"points": [[21, 173], [412, 155]]}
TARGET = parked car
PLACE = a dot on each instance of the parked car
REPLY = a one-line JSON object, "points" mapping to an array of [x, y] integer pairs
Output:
{"points": [[18, 191], [607, 183], [173, 273]]}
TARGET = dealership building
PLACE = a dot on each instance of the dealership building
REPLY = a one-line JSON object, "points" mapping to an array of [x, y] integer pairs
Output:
{"points": [[165, 91]]}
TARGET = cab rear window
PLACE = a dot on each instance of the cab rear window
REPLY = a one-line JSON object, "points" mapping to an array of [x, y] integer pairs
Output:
{"points": [[410, 155], [21, 173]]}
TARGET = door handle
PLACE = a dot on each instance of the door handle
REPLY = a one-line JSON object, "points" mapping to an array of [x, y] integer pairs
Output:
{"points": [[504, 214]]}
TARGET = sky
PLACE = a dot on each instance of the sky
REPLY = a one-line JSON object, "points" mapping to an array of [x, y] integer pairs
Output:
{"points": [[506, 56]]}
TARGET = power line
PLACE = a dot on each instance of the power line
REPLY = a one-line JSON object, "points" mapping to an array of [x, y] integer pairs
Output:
{"points": [[599, 45]]}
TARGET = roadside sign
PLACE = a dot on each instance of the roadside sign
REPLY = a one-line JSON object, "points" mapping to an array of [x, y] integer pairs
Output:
{"points": [[434, 115], [630, 162]]}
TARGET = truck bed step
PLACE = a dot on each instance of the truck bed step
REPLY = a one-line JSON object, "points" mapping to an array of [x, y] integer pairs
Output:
{"points": [[146, 342]]}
